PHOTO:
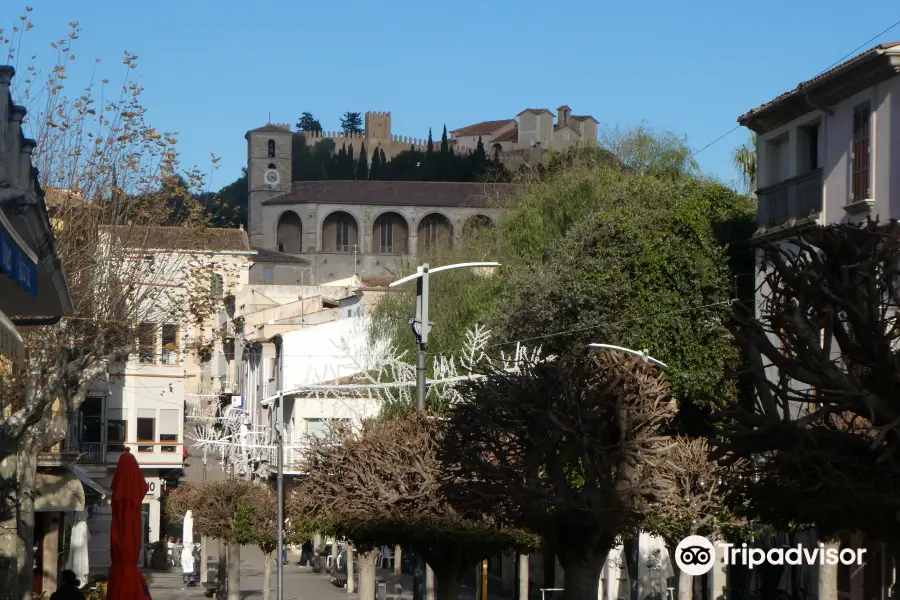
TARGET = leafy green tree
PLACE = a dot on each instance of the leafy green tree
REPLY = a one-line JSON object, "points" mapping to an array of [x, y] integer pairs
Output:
{"points": [[256, 524], [231, 203], [351, 122], [362, 165], [594, 252], [744, 159], [375, 170], [641, 149], [309, 123]]}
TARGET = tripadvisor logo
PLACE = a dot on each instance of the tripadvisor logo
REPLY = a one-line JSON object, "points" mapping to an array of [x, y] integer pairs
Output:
{"points": [[695, 555]]}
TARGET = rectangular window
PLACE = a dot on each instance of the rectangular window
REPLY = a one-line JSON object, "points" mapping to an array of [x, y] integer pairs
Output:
{"points": [[269, 274], [343, 235], [387, 235], [147, 343], [92, 420], [116, 430], [146, 429], [170, 344], [316, 427], [169, 428], [861, 153], [217, 286]]}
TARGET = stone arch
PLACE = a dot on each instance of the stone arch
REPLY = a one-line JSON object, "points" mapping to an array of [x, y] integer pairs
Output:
{"points": [[476, 223], [497, 148], [289, 233], [340, 232], [435, 234], [271, 148], [390, 234]]}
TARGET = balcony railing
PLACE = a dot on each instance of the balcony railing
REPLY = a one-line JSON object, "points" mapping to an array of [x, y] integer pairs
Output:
{"points": [[790, 200], [93, 453]]}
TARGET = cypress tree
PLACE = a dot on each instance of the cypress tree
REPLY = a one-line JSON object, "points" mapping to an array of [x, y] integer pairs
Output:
{"points": [[430, 168], [445, 145], [350, 165], [384, 169], [340, 159], [362, 166], [375, 170]]}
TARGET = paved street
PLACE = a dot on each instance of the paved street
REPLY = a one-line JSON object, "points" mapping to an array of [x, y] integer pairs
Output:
{"points": [[299, 583]]}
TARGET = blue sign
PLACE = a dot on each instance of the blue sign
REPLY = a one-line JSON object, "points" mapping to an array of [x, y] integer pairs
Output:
{"points": [[16, 264]]}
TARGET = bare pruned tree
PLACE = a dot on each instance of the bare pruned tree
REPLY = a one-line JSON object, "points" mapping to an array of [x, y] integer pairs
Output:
{"points": [[110, 181], [822, 352], [382, 485], [823, 356], [558, 448]]}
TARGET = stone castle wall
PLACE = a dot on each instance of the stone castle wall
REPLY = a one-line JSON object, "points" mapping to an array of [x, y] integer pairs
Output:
{"points": [[377, 135]]}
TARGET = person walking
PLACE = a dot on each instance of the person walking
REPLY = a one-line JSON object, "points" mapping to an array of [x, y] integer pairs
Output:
{"points": [[68, 587], [306, 554], [187, 564]]}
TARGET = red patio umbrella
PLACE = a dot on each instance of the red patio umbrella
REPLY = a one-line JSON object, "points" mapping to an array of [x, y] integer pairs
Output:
{"points": [[129, 488]]}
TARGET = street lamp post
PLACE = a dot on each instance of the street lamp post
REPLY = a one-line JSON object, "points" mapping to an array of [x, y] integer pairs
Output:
{"points": [[636, 535], [421, 326], [279, 432]]}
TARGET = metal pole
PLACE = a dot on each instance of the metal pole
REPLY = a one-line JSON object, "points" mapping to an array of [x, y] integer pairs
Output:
{"points": [[204, 559], [422, 335], [279, 416]]}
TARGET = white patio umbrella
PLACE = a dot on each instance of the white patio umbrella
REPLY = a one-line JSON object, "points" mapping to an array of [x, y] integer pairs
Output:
{"points": [[187, 531], [78, 548]]}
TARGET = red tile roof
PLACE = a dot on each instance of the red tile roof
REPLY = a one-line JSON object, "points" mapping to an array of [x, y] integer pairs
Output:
{"points": [[536, 111], [870, 53], [395, 193], [483, 128], [510, 136], [210, 239]]}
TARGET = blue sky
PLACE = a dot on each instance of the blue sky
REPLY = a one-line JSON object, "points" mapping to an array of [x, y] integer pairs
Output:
{"points": [[214, 69]]}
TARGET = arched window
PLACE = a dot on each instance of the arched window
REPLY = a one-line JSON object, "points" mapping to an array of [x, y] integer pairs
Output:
{"points": [[340, 233], [271, 148], [497, 149], [272, 166], [390, 234], [476, 224], [289, 233], [435, 234]]}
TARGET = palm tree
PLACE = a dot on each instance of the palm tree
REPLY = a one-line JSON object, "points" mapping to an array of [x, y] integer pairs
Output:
{"points": [[744, 159]]}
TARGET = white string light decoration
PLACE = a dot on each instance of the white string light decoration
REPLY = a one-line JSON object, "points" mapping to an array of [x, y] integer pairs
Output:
{"points": [[381, 375]]}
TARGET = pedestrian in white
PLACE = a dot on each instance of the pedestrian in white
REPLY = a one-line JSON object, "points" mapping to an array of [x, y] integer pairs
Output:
{"points": [[187, 564]]}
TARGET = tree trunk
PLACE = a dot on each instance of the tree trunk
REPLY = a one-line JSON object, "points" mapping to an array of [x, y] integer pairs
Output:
{"points": [[9, 539], [685, 586], [582, 575], [27, 473], [828, 574], [367, 574], [429, 583], [334, 557], [222, 569], [234, 571], [268, 559], [398, 569], [351, 576]]}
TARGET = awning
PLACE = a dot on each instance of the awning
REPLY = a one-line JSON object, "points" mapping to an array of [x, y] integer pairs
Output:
{"points": [[58, 492], [81, 474], [11, 344]]}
